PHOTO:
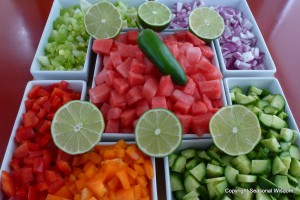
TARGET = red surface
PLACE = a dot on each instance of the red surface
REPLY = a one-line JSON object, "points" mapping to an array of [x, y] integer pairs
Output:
{"points": [[22, 23]]}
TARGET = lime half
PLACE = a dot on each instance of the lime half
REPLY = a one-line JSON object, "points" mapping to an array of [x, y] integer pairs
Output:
{"points": [[154, 15], [158, 132], [235, 130], [206, 23], [77, 127], [103, 20]]}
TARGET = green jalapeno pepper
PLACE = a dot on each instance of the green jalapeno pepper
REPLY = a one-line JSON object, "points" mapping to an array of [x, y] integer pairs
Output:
{"points": [[156, 50]]}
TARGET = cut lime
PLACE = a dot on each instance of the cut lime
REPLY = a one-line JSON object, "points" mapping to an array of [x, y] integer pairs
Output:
{"points": [[206, 23], [158, 132], [103, 20], [235, 130], [77, 127], [154, 15]]}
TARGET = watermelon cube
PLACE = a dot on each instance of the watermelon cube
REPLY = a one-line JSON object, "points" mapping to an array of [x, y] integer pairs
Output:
{"points": [[100, 93], [117, 100], [112, 126], [113, 113], [181, 107], [141, 107], [150, 88], [115, 58], [174, 49], [120, 39], [204, 65], [200, 123], [198, 108], [110, 77], [185, 121], [121, 85], [134, 95], [212, 89], [100, 77], [207, 51], [178, 95], [132, 36], [137, 66], [127, 50], [207, 102], [215, 74], [107, 63], [170, 39], [124, 67], [198, 77], [127, 117], [104, 109], [165, 87], [102, 46], [217, 103], [180, 36], [159, 102], [190, 87], [193, 54], [135, 79], [190, 37]]}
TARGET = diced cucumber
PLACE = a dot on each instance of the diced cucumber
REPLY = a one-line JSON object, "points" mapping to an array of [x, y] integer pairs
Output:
{"points": [[243, 194], [284, 153], [286, 134], [254, 109], [295, 136], [190, 183], [245, 185], [282, 115], [179, 164], [278, 101], [214, 155], [286, 160], [211, 190], [252, 154], [264, 93], [277, 166], [246, 178], [255, 90], [243, 99], [278, 123], [265, 119], [176, 181], [292, 180], [171, 159], [226, 159], [214, 180], [260, 166], [242, 163], [273, 133], [294, 152], [203, 155], [192, 163], [272, 144], [220, 189], [282, 182], [199, 171], [296, 191], [295, 168], [214, 170], [203, 192], [191, 195], [264, 183], [189, 153], [285, 146], [232, 97], [230, 174], [236, 89], [186, 173], [268, 98], [262, 195], [270, 110], [180, 194], [261, 104], [225, 197]]}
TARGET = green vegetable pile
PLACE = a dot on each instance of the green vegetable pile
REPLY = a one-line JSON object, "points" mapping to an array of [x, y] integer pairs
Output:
{"points": [[67, 45]]}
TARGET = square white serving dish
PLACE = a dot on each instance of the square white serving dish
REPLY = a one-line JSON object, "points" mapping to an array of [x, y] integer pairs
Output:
{"points": [[76, 85], [242, 6], [269, 83], [197, 144], [130, 136]]}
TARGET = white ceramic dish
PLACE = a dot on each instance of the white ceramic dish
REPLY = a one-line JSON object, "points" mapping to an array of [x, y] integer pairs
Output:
{"points": [[242, 6], [76, 85], [269, 83], [130, 136]]}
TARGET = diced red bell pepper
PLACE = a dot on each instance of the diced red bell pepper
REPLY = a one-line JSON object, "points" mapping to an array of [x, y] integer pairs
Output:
{"points": [[34, 91], [21, 150], [24, 134], [64, 167], [7, 184], [30, 120]]}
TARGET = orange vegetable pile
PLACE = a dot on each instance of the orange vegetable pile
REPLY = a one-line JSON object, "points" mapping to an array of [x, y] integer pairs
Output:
{"points": [[116, 172]]}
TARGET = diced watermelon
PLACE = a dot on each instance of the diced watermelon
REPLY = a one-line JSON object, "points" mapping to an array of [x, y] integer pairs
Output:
{"points": [[198, 108], [190, 87], [170, 103], [107, 63], [121, 85], [139, 55], [127, 117], [110, 77], [117, 100], [180, 36], [190, 37], [121, 39], [181, 107], [124, 67], [132, 36], [213, 75], [207, 51], [212, 89], [200, 123], [197, 95], [137, 66], [184, 47], [115, 58], [134, 95], [102, 46], [150, 68], [165, 87], [159, 102], [174, 49], [185, 121], [194, 54], [141, 107], [104, 109], [135, 79], [112, 126], [127, 50], [100, 93], [217, 103], [150, 88], [170, 39], [204, 65], [113, 113], [198, 77], [207, 102], [181, 96], [184, 63], [100, 77]]}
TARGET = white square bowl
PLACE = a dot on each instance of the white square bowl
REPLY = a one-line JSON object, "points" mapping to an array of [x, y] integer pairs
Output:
{"points": [[242, 6], [202, 144], [269, 83], [76, 85], [35, 69], [130, 136]]}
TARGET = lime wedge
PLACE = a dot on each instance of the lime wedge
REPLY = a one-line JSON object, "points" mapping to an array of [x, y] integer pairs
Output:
{"points": [[235, 130], [158, 132], [206, 23], [77, 127], [103, 20], [154, 15]]}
